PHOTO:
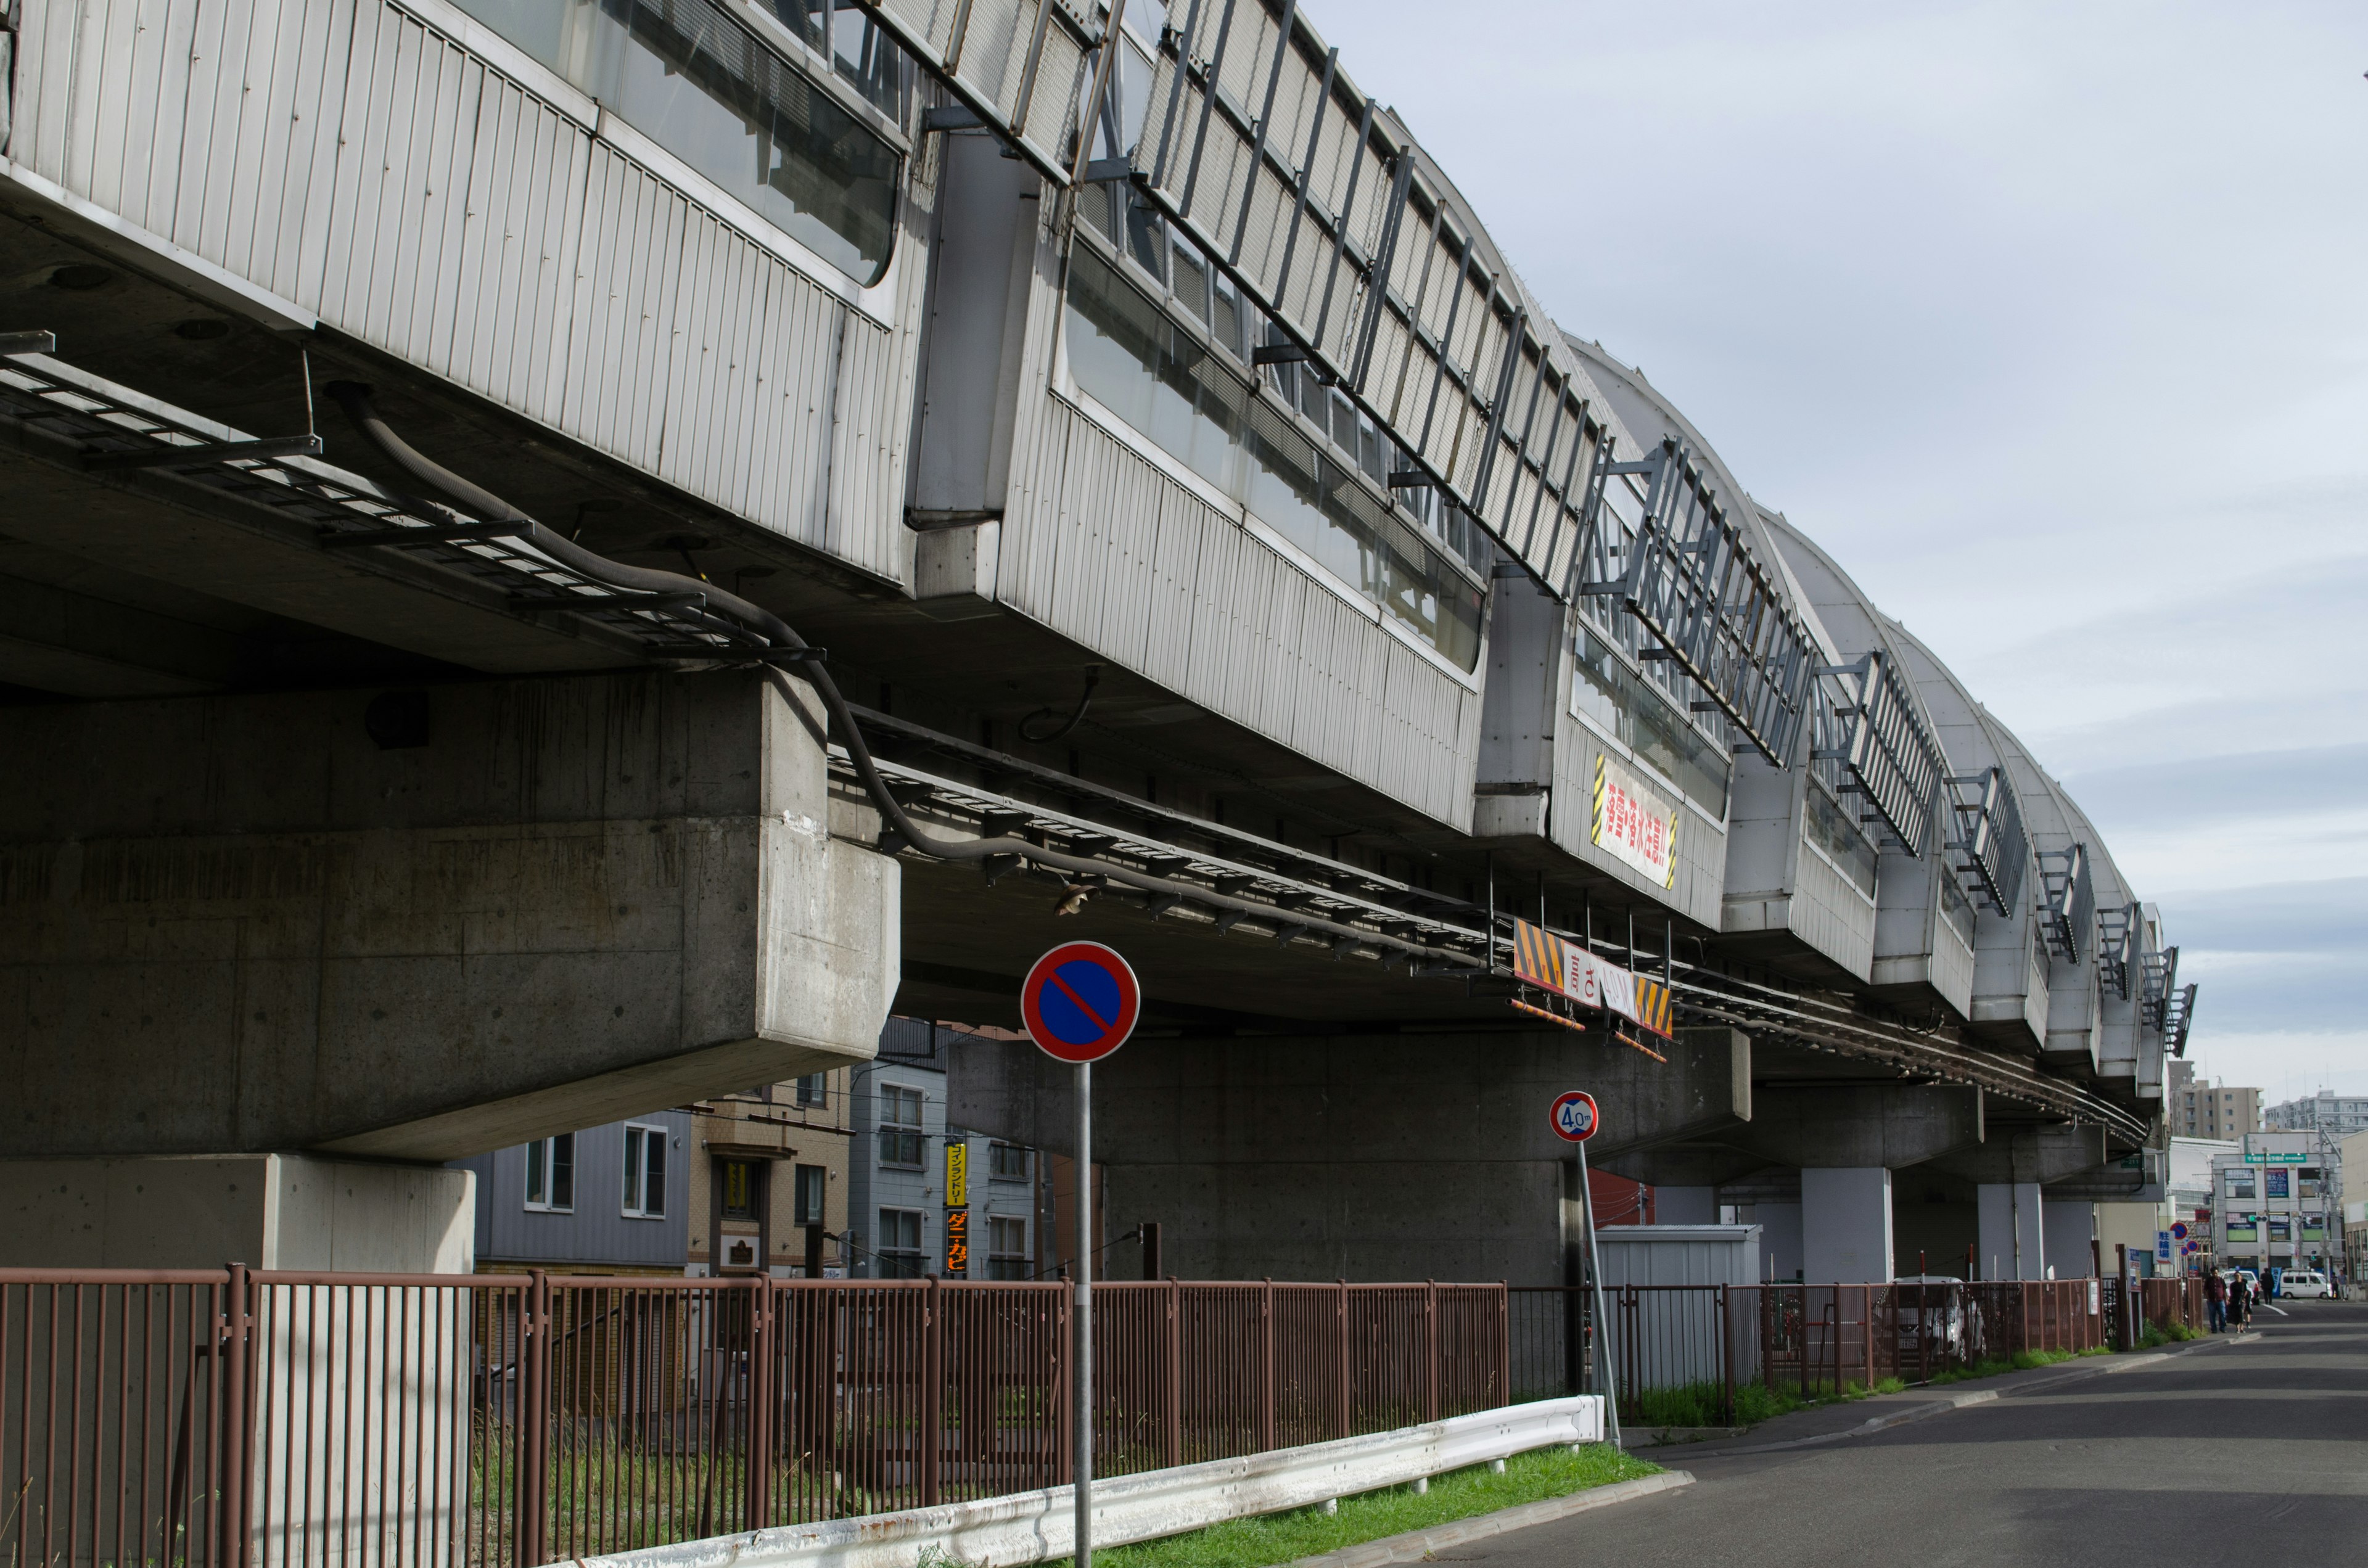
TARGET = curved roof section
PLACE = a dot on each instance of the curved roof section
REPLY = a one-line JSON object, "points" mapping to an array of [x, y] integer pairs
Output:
{"points": [[1649, 416], [1843, 611]]}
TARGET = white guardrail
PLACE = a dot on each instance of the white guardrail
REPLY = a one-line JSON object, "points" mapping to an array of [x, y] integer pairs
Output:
{"points": [[1030, 1526]]}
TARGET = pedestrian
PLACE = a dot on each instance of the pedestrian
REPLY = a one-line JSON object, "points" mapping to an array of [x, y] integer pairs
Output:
{"points": [[2215, 1298], [2240, 1302]]}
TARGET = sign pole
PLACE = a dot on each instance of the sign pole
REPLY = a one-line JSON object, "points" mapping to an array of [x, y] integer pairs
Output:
{"points": [[1082, 1320], [1604, 1377], [1080, 1002]]}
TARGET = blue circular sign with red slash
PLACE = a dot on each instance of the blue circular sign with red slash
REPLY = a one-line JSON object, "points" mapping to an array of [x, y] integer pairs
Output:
{"points": [[1574, 1116], [1080, 1002]]}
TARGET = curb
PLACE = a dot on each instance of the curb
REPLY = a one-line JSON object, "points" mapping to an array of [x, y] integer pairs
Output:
{"points": [[1415, 1545], [1672, 1436], [1940, 1406]]}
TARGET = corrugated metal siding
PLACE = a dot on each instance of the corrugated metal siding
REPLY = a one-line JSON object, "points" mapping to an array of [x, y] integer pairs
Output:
{"points": [[1102, 548], [1953, 966], [1831, 915], [346, 156]]}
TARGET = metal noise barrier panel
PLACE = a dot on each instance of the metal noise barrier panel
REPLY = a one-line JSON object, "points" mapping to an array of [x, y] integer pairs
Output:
{"points": [[254, 1419]]}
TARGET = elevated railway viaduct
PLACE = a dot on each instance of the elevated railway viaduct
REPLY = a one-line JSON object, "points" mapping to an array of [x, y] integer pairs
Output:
{"points": [[563, 557]]}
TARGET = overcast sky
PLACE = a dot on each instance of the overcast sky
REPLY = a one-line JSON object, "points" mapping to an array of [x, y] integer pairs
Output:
{"points": [[2047, 320]]}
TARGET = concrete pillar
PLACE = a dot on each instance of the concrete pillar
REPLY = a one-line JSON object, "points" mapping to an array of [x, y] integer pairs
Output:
{"points": [[1685, 1206], [265, 1210], [2013, 1234], [2068, 1228], [1846, 1225], [1780, 1239]]}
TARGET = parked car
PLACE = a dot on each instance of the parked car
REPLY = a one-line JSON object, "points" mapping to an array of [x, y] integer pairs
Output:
{"points": [[2305, 1284]]}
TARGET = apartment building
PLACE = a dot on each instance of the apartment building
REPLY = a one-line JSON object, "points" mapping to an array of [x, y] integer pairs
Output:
{"points": [[607, 1200], [2338, 1116], [856, 1159], [772, 1165], [2216, 1110], [925, 1198]]}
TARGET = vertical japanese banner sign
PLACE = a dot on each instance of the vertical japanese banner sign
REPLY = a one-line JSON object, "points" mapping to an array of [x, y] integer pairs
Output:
{"points": [[957, 1209], [1631, 827]]}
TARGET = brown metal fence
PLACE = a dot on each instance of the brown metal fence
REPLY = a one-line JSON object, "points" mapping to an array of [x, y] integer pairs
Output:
{"points": [[1678, 1353], [244, 1419]]}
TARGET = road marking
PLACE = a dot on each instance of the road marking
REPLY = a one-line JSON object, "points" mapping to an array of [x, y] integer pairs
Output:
{"points": [[2280, 1310]]}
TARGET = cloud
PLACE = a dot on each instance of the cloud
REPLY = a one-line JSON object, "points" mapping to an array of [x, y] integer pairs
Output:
{"points": [[2217, 790]]}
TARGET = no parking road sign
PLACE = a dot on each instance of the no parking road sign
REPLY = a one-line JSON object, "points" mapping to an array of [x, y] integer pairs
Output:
{"points": [[1574, 1118], [1080, 1002]]}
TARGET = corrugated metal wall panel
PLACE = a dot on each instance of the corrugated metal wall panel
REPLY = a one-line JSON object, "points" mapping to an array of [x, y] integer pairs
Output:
{"points": [[350, 158], [617, 389], [1184, 522], [1109, 525], [1831, 916], [518, 247], [866, 512]]}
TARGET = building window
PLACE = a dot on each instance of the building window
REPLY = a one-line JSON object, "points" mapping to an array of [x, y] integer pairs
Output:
{"points": [[550, 1175], [1007, 1161], [1605, 689], [1156, 374], [645, 1166], [739, 1190], [900, 1243], [899, 1126], [1006, 1249], [701, 87], [2240, 1184], [812, 1089], [813, 1183]]}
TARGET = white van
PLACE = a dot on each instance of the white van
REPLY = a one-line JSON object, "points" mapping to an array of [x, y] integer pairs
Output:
{"points": [[2304, 1284]]}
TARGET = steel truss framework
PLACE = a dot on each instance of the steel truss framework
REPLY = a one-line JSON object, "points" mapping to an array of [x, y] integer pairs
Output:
{"points": [[2179, 1012], [1990, 841], [2116, 935], [1891, 759], [1305, 192], [1694, 583], [2157, 987], [2068, 914]]}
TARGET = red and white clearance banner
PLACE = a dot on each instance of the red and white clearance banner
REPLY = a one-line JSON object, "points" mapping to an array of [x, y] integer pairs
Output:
{"points": [[1631, 827], [1545, 959]]}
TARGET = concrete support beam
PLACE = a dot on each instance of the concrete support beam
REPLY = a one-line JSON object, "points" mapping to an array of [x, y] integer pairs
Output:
{"points": [[1846, 1225], [421, 925], [266, 1210], [2013, 1244], [2040, 1153], [1368, 1156], [1862, 1125]]}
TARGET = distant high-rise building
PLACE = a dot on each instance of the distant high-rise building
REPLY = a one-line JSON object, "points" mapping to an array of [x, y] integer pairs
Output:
{"points": [[2212, 1110], [2338, 1116]]}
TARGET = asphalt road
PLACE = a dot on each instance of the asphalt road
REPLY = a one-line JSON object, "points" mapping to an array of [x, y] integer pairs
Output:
{"points": [[2244, 1454]]}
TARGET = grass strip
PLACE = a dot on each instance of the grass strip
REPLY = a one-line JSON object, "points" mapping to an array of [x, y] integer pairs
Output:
{"points": [[1702, 1404], [1271, 1538]]}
